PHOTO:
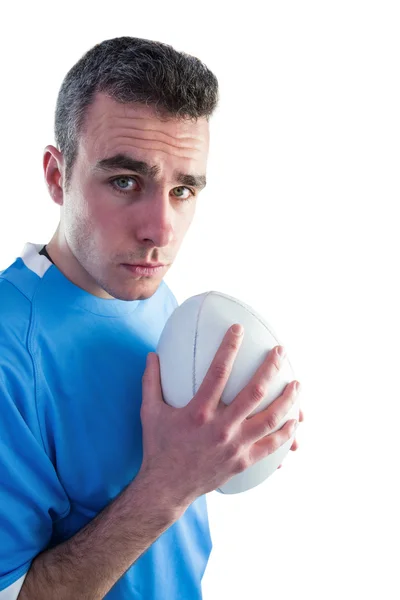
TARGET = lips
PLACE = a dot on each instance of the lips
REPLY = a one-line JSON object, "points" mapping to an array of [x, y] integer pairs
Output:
{"points": [[147, 265], [146, 269]]}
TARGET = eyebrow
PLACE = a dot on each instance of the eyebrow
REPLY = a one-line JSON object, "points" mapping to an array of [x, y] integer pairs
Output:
{"points": [[122, 161]]}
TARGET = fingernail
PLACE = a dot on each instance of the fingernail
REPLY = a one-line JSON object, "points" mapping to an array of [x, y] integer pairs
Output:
{"points": [[281, 351], [237, 329]]}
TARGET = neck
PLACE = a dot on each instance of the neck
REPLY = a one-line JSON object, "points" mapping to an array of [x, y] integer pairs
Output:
{"points": [[69, 266]]}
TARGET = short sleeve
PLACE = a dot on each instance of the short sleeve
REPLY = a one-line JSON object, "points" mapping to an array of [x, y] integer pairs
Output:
{"points": [[31, 496]]}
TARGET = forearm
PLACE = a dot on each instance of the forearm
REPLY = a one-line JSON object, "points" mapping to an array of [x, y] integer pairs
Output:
{"points": [[88, 564]]}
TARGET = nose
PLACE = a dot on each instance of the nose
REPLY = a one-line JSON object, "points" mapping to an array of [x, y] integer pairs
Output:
{"points": [[155, 227]]}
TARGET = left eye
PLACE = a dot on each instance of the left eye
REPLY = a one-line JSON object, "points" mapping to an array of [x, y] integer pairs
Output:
{"points": [[183, 189]]}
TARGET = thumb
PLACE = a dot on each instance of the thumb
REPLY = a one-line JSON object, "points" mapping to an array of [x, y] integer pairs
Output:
{"points": [[151, 381]]}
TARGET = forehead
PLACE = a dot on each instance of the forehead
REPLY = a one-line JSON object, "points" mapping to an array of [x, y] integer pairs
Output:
{"points": [[113, 128]]}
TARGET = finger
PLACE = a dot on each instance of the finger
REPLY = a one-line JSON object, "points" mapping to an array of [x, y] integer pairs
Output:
{"points": [[210, 391], [295, 444], [151, 384], [256, 390], [270, 443], [269, 419]]}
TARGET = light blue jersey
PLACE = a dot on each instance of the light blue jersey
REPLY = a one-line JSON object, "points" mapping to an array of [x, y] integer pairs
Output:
{"points": [[71, 367]]}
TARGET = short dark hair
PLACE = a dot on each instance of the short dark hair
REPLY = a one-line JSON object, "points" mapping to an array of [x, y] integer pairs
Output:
{"points": [[132, 70]]}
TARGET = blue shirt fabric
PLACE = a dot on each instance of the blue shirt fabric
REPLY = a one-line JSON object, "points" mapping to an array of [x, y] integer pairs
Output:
{"points": [[71, 367]]}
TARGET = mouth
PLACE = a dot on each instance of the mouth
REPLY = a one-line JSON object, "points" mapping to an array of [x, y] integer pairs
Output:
{"points": [[147, 265], [145, 269]]}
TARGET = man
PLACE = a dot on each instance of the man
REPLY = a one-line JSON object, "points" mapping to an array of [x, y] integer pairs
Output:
{"points": [[103, 484]]}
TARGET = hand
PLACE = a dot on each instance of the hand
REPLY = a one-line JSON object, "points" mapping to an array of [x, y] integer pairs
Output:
{"points": [[195, 449]]}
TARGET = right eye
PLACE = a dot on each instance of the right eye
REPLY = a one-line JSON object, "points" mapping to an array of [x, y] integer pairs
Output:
{"points": [[123, 183]]}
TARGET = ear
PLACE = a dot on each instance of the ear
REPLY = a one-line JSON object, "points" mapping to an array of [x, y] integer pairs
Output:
{"points": [[53, 165]]}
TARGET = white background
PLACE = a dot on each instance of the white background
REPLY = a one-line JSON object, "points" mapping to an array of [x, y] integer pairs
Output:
{"points": [[300, 219]]}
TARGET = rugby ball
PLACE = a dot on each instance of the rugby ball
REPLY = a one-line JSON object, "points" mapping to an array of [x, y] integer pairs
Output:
{"points": [[187, 346]]}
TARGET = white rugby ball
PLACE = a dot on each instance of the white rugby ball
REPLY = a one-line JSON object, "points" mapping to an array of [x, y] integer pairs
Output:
{"points": [[187, 346]]}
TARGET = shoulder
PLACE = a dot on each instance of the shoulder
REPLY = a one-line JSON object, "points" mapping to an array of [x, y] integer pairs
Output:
{"points": [[16, 367], [15, 314]]}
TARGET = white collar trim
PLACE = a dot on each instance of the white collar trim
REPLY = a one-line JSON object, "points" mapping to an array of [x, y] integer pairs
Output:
{"points": [[38, 263]]}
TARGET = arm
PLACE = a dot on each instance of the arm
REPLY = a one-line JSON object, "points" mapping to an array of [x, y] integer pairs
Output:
{"points": [[90, 563], [206, 444], [32, 497]]}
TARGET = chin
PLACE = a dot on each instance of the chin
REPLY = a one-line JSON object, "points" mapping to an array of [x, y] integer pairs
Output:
{"points": [[139, 290], [117, 284]]}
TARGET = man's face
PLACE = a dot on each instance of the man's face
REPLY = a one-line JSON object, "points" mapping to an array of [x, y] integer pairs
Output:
{"points": [[132, 195]]}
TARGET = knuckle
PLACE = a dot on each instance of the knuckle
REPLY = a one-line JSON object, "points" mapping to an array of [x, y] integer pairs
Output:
{"points": [[278, 439], [261, 430], [257, 392], [272, 420], [220, 371], [233, 451], [274, 444], [241, 465], [275, 360], [233, 343], [200, 417], [223, 435], [275, 364]]}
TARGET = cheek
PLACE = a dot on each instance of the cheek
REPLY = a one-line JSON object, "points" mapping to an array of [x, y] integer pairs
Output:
{"points": [[76, 215], [181, 225], [98, 212], [189, 216]]}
